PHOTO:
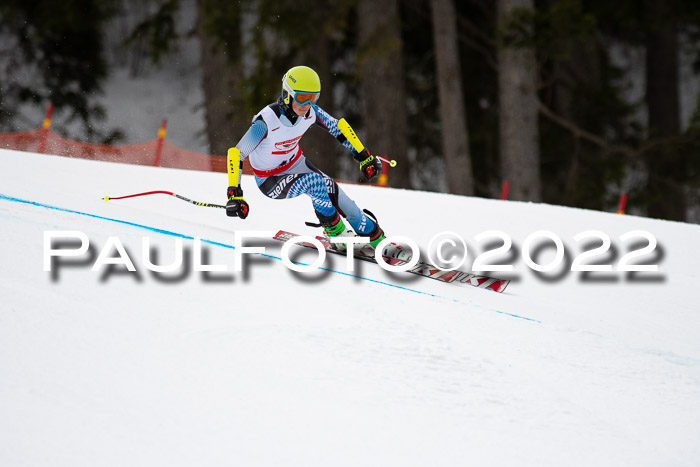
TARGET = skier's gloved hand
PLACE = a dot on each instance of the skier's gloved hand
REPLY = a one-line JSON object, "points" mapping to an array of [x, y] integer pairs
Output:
{"points": [[370, 165], [236, 205]]}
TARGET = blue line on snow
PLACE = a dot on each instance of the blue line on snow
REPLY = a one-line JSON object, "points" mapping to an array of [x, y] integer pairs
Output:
{"points": [[224, 245]]}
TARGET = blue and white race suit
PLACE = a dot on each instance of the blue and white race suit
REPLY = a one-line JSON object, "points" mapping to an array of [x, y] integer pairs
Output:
{"points": [[282, 171]]}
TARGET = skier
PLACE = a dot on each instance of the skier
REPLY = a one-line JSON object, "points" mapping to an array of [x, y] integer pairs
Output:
{"points": [[280, 168]]}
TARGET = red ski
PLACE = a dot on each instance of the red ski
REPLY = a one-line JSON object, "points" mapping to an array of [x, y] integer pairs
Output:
{"points": [[420, 269]]}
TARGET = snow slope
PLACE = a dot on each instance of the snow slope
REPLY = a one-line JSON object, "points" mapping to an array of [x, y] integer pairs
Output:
{"points": [[268, 367]]}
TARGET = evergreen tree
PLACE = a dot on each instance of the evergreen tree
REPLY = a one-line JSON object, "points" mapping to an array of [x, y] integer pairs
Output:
{"points": [[665, 150], [381, 74], [455, 135], [53, 52], [518, 101], [586, 121]]}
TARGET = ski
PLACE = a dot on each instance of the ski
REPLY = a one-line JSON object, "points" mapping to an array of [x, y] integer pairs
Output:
{"points": [[421, 268]]}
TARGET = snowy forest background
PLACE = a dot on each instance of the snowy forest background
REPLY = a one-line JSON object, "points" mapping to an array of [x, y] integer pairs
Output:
{"points": [[572, 101]]}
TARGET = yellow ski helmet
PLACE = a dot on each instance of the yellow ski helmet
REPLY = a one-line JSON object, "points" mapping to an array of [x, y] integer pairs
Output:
{"points": [[302, 84]]}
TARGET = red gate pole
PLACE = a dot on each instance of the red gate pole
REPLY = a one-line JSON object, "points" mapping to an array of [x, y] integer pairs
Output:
{"points": [[504, 189], [45, 128], [159, 145], [383, 175], [623, 203]]}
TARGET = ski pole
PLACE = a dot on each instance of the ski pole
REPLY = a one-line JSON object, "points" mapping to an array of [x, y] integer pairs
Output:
{"points": [[160, 192], [392, 162], [350, 135]]}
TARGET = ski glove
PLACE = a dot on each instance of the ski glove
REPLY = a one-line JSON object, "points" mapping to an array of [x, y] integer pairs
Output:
{"points": [[236, 205], [369, 165]]}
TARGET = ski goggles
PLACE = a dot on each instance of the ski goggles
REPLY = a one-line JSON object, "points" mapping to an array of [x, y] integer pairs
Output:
{"points": [[303, 98]]}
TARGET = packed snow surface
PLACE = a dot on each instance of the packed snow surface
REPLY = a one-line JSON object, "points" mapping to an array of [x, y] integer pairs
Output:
{"points": [[341, 366]]}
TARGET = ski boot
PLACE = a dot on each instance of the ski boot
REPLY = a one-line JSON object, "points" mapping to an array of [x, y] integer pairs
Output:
{"points": [[391, 250], [376, 235], [335, 227]]}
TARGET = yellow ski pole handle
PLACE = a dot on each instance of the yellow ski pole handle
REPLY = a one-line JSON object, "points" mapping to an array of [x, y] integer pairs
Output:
{"points": [[350, 135], [233, 164]]}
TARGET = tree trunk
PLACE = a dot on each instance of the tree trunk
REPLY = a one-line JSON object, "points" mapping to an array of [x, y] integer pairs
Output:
{"points": [[665, 166], [220, 79], [455, 136], [518, 110], [582, 69], [380, 67]]}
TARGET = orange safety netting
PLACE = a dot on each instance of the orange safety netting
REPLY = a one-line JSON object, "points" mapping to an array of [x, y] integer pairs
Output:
{"points": [[48, 142], [43, 140]]}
